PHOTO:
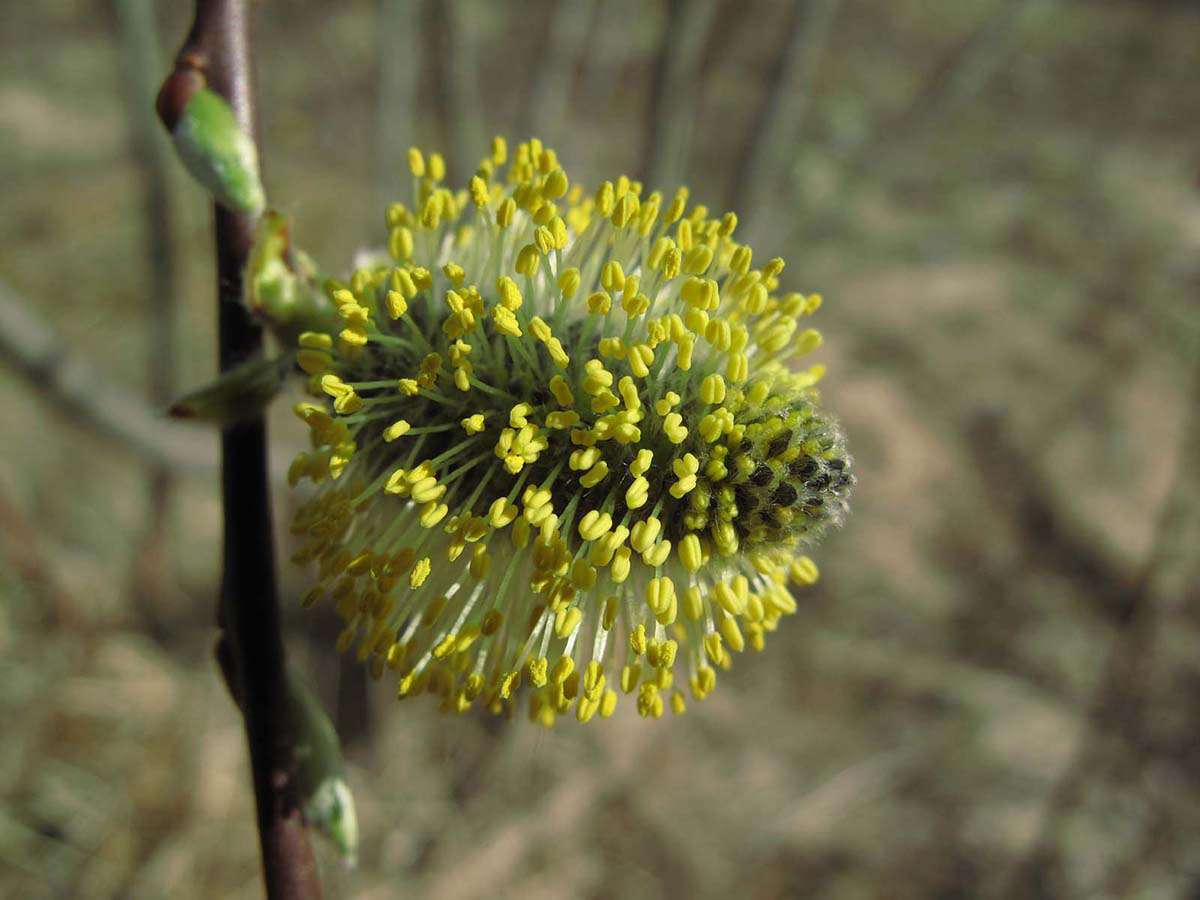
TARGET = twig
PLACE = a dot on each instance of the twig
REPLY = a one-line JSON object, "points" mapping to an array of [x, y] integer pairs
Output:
{"points": [[141, 62], [1051, 536], [965, 70], [86, 397], [21, 547], [1117, 699], [675, 91], [395, 122], [456, 80], [1048, 534], [779, 114], [545, 109], [217, 51], [962, 73]]}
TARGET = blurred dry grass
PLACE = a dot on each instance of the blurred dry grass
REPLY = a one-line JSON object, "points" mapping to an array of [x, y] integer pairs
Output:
{"points": [[1011, 269]]}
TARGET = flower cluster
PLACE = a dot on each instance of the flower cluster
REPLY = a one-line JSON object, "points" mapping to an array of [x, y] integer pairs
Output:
{"points": [[560, 442]]}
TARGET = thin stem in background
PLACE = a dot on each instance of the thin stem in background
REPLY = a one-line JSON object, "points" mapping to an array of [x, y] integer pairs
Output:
{"points": [[676, 90], [777, 121], [140, 63], [961, 74], [395, 122], [456, 90], [84, 396], [545, 109], [250, 646], [1119, 701]]}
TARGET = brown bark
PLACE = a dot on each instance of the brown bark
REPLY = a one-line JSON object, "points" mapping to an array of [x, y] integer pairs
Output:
{"points": [[250, 646]]}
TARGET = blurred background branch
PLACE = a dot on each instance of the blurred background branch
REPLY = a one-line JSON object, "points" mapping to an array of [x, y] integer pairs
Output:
{"points": [[85, 396], [250, 645], [778, 118], [984, 694], [141, 61]]}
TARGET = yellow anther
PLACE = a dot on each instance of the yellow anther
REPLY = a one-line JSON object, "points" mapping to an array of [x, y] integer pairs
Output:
{"points": [[585, 458], [396, 304], [436, 166], [431, 212], [683, 235], [619, 569], [567, 619], [599, 303], [314, 362], [499, 150], [612, 276], [528, 260], [396, 430], [738, 368], [728, 599], [420, 572], [660, 597], [803, 571], [674, 429], [510, 294], [675, 211], [502, 512], [689, 553], [609, 616], [634, 304], [505, 322], [739, 263], [732, 634], [416, 162], [568, 282], [540, 329], [687, 345], [558, 228], [561, 391], [712, 389], [657, 554], [432, 513], [583, 575], [400, 243], [809, 340], [594, 525], [479, 191], [427, 489], [630, 675], [664, 405], [697, 260], [562, 670], [637, 640], [538, 668], [315, 340], [517, 415], [556, 184], [649, 702], [594, 475], [557, 354], [641, 463], [712, 646], [644, 533], [638, 493], [605, 198], [505, 212]]}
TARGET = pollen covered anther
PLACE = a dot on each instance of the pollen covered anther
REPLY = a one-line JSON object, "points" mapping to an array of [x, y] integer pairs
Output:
{"points": [[561, 449]]}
